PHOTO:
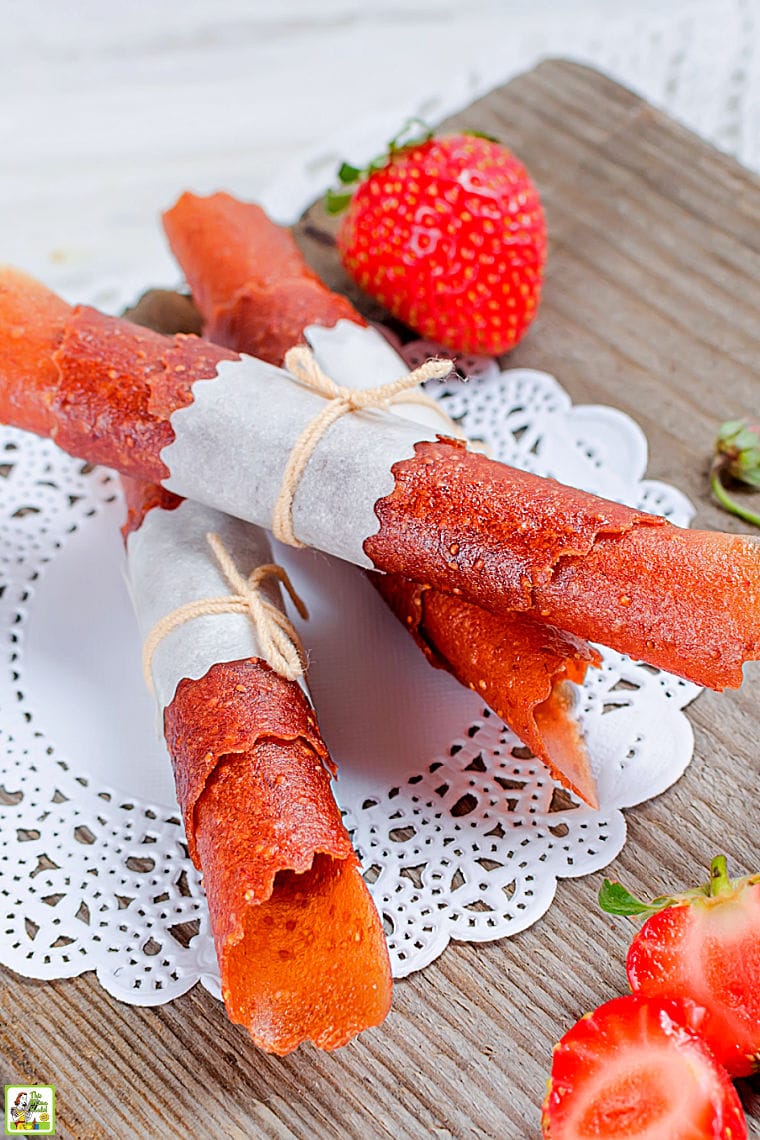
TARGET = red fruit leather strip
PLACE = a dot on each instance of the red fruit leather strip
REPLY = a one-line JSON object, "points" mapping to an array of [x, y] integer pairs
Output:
{"points": [[307, 961], [265, 706], [32, 324], [140, 498], [464, 516], [102, 387], [517, 665], [257, 295], [300, 945], [686, 601]]}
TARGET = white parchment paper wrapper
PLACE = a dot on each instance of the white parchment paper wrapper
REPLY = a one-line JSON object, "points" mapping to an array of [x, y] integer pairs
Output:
{"points": [[170, 563], [357, 356], [233, 442]]}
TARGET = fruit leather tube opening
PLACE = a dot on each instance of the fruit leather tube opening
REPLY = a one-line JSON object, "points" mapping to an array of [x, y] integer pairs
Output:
{"points": [[298, 954], [248, 276]]}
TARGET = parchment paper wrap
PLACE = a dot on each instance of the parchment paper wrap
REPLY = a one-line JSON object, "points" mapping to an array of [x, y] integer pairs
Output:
{"points": [[169, 564], [233, 441], [358, 356]]}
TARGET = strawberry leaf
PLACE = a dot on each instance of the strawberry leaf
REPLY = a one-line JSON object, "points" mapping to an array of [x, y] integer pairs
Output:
{"points": [[413, 133], [348, 173], [615, 899], [336, 203]]}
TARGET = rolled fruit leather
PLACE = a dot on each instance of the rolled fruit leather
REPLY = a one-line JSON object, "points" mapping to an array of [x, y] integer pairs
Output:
{"points": [[257, 295], [219, 428], [301, 950], [300, 945]]}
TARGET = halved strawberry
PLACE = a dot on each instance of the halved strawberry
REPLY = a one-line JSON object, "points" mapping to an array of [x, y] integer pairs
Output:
{"points": [[703, 945], [637, 1069]]}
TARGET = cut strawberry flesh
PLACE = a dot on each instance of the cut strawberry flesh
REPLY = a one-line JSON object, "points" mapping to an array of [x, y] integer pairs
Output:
{"points": [[708, 950], [637, 1069]]}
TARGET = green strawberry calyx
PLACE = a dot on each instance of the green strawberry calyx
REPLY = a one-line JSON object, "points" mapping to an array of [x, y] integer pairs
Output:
{"points": [[614, 898], [737, 458], [414, 132]]}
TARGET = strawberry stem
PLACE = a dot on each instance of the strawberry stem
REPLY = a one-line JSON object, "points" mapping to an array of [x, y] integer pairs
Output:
{"points": [[720, 884], [723, 497]]}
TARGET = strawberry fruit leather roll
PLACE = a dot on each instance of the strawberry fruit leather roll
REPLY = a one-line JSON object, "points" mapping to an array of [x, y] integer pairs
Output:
{"points": [[686, 601], [300, 945], [257, 295]]}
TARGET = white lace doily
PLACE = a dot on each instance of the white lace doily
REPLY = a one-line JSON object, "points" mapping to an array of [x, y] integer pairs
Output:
{"points": [[461, 833]]}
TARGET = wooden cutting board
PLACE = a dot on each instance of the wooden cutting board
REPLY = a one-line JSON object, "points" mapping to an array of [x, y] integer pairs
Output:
{"points": [[651, 305]]}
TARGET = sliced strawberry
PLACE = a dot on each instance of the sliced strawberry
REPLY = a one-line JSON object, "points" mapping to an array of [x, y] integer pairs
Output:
{"points": [[637, 1069], [703, 945]]}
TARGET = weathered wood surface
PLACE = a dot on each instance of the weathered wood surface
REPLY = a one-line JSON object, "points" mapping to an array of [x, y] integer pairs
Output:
{"points": [[651, 305]]}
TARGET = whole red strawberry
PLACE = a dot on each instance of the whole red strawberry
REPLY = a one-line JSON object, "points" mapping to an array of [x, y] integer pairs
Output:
{"points": [[637, 1067], [703, 945], [448, 234]]}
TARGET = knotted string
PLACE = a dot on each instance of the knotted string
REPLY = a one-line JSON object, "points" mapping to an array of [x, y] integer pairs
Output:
{"points": [[341, 401], [278, 641]]}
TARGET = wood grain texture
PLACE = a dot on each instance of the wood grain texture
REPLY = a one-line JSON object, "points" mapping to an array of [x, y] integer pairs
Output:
{"points": [[651, 305]]}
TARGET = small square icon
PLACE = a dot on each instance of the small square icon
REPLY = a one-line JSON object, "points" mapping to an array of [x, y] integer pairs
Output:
{"points": [[29, 1108]]}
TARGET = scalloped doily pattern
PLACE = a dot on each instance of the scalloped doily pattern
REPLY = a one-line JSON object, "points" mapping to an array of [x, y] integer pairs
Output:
{"points": [[467, 843]]}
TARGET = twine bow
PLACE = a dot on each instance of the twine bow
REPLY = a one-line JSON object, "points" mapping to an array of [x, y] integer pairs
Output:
{"points": [[341, 401], [279, 643]]}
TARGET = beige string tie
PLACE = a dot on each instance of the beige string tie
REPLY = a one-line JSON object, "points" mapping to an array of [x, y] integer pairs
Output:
{"points": [[301, 364], [279, 643]]}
